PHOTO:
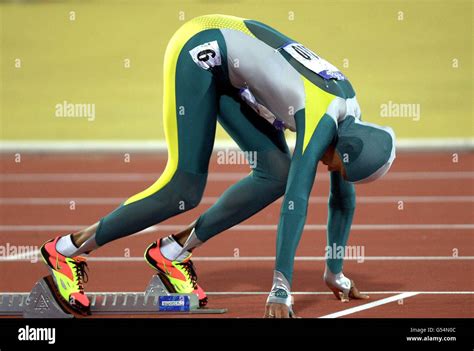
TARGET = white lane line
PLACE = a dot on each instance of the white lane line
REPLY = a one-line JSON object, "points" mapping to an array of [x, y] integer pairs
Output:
{"points": [[213, 176], [299, 258], [243, 227], [39, 201], [330, 293], [158, 148], [369, 305], [301, 293], [428, 175], [28, 256]]}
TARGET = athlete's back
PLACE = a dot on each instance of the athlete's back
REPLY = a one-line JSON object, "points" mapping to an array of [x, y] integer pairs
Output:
{"points": [[269, 69]]}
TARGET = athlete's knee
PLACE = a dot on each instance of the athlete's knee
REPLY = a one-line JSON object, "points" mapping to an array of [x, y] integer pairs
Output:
{"points": [[183, 191], [273, 166], [188, 189], [191, 195], [281, 167]]}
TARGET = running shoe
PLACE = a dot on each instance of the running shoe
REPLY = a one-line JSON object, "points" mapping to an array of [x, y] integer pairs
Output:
{"points": [[69, 275], [181, 275]]}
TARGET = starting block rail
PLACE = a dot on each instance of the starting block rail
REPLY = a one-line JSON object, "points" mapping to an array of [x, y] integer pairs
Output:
{"points": [[43, 302]]}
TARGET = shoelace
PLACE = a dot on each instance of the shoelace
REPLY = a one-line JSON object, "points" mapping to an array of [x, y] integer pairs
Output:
{"points": [[189, 268], [80, 267]]}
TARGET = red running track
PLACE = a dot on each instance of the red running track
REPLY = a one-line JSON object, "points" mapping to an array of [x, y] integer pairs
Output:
{"points": [[413, 229]]}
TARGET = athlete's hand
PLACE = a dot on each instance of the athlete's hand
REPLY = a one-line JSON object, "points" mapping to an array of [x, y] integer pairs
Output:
{"points": [[354, 294], [278, 310]]}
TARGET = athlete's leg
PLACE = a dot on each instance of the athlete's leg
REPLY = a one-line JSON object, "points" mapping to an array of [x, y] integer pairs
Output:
{"points": [[262, 186], [190, 112]]}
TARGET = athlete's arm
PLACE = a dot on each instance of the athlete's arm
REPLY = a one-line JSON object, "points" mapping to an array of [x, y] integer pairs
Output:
{"points": [[300, 182], [295, 204], [341, 207]]}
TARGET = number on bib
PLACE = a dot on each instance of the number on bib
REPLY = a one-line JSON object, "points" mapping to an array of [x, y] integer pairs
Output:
{"points": [[207, 55], [313, 62]]}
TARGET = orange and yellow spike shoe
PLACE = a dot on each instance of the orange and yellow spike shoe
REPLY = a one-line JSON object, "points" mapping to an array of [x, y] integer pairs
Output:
{"points": [[69, 275], [180, 274]]}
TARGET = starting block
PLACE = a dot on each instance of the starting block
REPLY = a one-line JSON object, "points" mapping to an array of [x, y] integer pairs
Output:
{"points": [[43, 302]]}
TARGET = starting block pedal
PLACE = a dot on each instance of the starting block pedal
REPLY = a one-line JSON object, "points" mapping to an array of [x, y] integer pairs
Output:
{"points": [[43, 302]]}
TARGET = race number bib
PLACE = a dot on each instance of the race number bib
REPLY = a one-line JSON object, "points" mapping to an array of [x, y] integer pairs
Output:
{"points": [[313, 62], [207, 55]]}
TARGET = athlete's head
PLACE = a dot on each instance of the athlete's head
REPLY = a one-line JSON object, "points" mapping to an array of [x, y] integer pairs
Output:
{"points": [[363, 152], [333, 161]]}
